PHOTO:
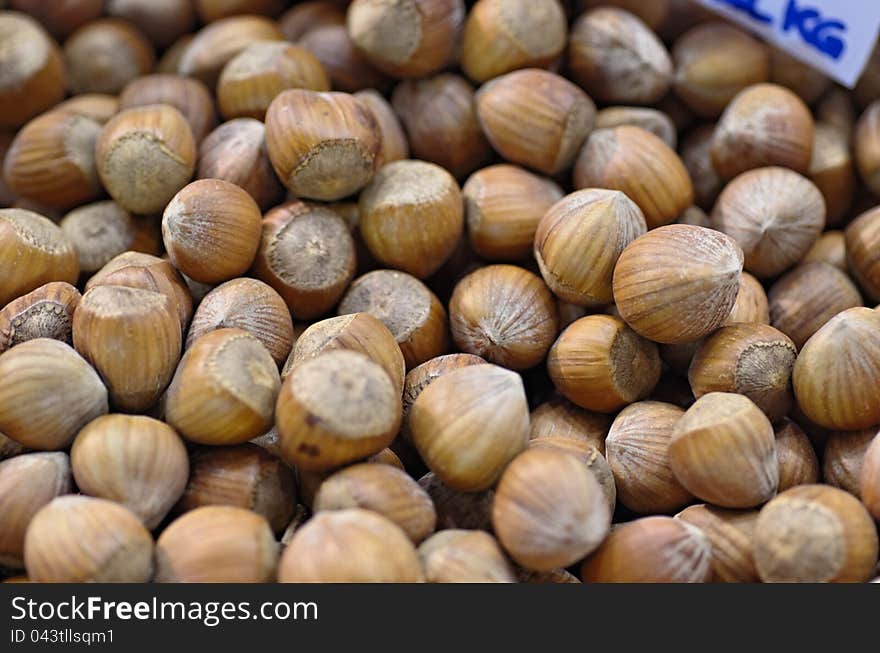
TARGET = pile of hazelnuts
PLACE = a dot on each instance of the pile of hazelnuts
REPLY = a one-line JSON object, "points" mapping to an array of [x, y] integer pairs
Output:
{"points": [[541, 291]]}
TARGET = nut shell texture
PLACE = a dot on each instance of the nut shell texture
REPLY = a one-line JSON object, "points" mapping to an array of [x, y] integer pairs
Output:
{"points": [[677, 283]]}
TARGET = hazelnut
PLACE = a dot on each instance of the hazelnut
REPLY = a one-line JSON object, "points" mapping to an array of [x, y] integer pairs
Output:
{"points": [[421, 376], [348, 69], [505, 314], [559, 418], [638, 454], [440, 117], [189, 96], [678, 283], [754, 360], [33, 72], [99, 231], [217, 43], [46, 312], [9, 448], [334, 409], [535, 118], [697, 158], [136, 461], [617, 58], [549, 511], [814, 534], [480, 411], [170, 59], [144, 156], [217, 544], [307, 255], [33, 252], [634, 161], [862, 252], [751, 303], [764, 125], [844, 457], [845, 347], [837, 110], [805, 298], [601, 364], [305, 16], [161, 21], [412, 216], [77, 539], [252, 79], [60, 18], [866, 145], [52, 159], [132, 338], [653, 14], [245, 476], [350, 546], [589, 456], [236, 152], [48, 394], [651, 120], [27, 483], [104, 55], [224, 390], [503, 206], [213, 10], [393, 144], [715, 61], [579, 240], [870, 481], [460, 556], [410, 39], [545, 577], [458, 510], [250, 305], [730, 532], [323, 146], [360, 332], [798, 464], [829, 248], [501, 36], [147, 272], [211, 229], [831, 170], [406, 306], [651, 550], [798, 76], [723, 451], [868, 85], [382, 489], [774, 214]]}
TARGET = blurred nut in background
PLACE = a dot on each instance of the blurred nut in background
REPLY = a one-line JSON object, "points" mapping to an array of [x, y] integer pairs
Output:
{"points": [[617, 58], [440, 117], [412, 39]]}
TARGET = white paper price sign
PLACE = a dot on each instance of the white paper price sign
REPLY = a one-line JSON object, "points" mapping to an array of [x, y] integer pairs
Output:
{"points": [[835, 36]]}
